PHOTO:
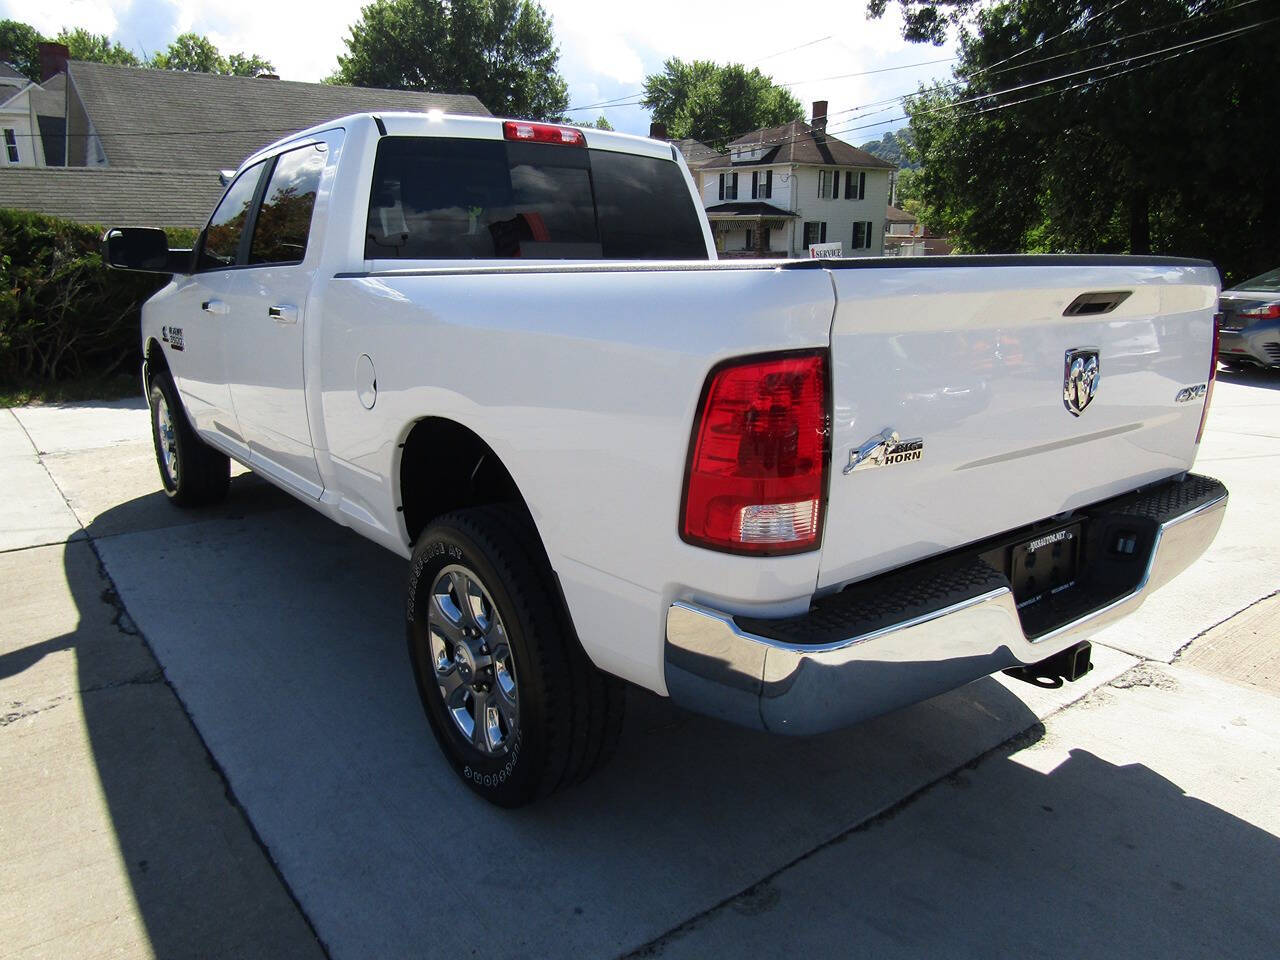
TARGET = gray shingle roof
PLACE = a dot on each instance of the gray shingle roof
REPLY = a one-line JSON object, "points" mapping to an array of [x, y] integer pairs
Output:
{"points": [[165, 119], [798, 142], [750, 208], [695, 151], [50, 102], [110, 197]]}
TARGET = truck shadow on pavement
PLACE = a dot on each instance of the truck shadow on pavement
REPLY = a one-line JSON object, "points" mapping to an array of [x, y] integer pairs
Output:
{"points": [[1250, 377], [281, 634]]}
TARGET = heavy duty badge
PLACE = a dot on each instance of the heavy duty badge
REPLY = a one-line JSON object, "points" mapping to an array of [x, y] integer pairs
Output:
{"points": [[1080, 379], [884, 449]]}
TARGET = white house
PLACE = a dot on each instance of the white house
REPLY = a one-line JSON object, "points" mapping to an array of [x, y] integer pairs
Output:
{"points": [[906, 236], [30, 120], [780, 190]]}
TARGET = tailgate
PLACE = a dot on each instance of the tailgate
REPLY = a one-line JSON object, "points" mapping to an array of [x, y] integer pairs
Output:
{"points": [[971, 360]]}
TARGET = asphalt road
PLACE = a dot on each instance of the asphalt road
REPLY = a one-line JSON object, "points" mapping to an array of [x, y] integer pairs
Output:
{"points": [[210, 744]]}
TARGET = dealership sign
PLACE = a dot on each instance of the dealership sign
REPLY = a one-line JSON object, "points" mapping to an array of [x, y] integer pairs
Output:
{"points": [[823, 251]]}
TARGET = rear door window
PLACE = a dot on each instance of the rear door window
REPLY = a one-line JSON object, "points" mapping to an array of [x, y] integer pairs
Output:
{"points": [[222, 236], [446, 198], [284, 218]]}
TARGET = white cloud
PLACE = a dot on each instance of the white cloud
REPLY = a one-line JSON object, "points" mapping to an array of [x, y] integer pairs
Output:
{"points": [[51, 16]]}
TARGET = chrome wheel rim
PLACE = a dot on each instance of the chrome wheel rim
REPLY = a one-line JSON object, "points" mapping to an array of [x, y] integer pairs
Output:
{"points": [[167, 439], [472, 662]]}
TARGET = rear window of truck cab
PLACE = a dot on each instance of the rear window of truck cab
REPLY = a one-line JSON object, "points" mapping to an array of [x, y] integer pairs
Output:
{"points": [[437, 198]]}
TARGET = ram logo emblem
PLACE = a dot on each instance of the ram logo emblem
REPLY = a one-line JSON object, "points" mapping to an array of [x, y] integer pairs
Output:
{"points": [[1080, 379]]}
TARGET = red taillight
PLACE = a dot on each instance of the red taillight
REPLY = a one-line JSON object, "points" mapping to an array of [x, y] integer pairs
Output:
{"points": [[1269, 312], [542, 133], [758, 460], [1213, 375]]}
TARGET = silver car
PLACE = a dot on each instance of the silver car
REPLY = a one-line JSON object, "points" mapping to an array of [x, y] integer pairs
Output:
{"points": [[1249, 331]]}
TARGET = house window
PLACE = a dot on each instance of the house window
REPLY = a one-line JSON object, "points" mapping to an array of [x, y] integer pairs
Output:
{"points": [[815, 231], [729, 186], [827, 188], [755, 184], [11, 144], [863, 234], [855, 185]]}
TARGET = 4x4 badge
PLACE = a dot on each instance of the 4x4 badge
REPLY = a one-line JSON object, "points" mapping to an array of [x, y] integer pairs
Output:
{"points": [[1080, 379], [883, 449]]}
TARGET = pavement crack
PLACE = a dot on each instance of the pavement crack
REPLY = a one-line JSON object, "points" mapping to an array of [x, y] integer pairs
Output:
{"points": [[120, 618], [143, 677], [1248, 606], [14, 715], [762, 895]]}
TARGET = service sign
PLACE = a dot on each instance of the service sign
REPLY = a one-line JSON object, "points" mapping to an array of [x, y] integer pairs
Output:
{"points": [[823, 251]]}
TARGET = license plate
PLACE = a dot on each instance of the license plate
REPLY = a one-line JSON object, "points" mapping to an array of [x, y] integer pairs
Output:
{"points": [[1045, 565]]}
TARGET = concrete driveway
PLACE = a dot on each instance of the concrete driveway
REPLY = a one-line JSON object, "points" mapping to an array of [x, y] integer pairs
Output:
{"points": [[210, 744]]}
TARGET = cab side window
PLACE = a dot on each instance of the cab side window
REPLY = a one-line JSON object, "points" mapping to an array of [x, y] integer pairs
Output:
{"points": [[284, 219], [222, 237]]}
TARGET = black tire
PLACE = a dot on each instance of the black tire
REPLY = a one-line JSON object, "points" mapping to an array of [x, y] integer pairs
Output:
{"points": [[193, 474], [569, 713]]}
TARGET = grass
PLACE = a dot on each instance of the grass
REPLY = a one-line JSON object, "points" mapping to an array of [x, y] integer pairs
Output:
{"points": [[71, 391]]}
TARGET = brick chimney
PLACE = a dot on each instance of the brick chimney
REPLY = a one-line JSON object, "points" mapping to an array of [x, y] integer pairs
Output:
{"points": [[819, 121], [657, 131], [53, 60]]}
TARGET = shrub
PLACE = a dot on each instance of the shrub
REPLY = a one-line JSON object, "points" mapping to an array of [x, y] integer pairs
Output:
{"points": [[63, 314]]}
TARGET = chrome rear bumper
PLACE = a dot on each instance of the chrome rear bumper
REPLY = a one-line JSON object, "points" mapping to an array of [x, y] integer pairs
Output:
{"points": [[956, 625]]}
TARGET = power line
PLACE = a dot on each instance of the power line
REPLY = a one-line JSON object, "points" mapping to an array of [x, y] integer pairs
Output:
{"points": [[992, 71], [1050, 39], [629, 98], [1201, 44], [999, 67], [1197, 43], [1229, 34], [801, 46]]}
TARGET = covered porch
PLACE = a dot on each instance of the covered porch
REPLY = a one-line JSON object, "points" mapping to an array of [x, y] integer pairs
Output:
{"points": [[751, 228]]}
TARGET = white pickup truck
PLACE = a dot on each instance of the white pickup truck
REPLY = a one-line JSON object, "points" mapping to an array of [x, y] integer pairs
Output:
{"points": [[790, 494]]}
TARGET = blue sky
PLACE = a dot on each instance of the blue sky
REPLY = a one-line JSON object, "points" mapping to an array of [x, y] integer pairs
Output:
{"points": [[606, 49]]}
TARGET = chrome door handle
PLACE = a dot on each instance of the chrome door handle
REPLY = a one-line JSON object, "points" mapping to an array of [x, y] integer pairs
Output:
{"points": [[284, 313], [215, 307]]}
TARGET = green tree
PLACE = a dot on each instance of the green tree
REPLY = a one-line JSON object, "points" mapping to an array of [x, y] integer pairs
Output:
{"points": [[502, 51], [192, 53], [602, 123], [248, 65], [196, 54], [1144, 160], [906, 190], [96, 48], [20, 47], [714, 103], [926, 21]]}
